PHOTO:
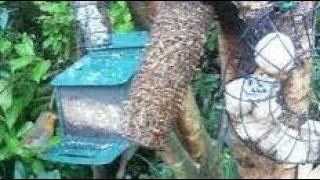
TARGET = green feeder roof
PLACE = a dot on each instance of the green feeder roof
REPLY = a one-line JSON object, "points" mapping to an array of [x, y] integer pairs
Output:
{"points": [[114, 65]]}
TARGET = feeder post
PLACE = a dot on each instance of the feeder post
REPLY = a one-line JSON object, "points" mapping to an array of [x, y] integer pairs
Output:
{"points": [[99, 172], [93, 23]]}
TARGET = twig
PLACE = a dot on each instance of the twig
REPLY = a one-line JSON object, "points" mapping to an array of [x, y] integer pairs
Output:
{"points": [[124, 161], [148, 162]]}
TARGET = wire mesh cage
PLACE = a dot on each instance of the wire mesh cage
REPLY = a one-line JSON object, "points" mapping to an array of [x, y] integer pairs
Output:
{"points": [[276, 111]]}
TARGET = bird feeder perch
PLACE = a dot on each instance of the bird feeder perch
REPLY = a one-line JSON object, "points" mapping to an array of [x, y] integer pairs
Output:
{"points": [[90, 96]]}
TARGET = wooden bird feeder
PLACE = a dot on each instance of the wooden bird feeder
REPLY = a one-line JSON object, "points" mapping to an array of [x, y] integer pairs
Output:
{"points": [[90, 96]]}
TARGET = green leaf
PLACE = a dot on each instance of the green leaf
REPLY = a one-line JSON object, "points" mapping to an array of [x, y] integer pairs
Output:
{"points": [[120, 16], [27, 126], [20, 63], [206, 84], [124, 27], [5, 46], [52, 142], [26, 152], [40, 70], [12, 142], [37, 167], [5, 153], [18, 105], [46, 44], [127, 17], [13, 113], [2, 129], [25, 93], [122, 4], [5, 94], [25, 48]]}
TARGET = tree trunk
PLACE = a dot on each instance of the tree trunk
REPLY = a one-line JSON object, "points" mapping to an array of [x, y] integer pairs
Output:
{"points": [[99, 172], [175, 156], [144, 12], [196, 140]]}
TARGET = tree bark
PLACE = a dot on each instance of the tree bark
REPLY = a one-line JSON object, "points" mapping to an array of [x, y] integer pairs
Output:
{"points": [[99, 172], [196, 140], [175, 156], [144, 12]]}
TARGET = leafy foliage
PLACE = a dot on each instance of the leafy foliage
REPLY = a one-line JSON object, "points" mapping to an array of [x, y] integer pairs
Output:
{"points": [[229, 168], [25, 69], [209, 96], [315, 99], [120, 16], [57, 27], [21, 73]]}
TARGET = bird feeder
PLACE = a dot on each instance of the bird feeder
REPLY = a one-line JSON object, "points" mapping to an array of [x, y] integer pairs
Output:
{"points": [[89, 97]]}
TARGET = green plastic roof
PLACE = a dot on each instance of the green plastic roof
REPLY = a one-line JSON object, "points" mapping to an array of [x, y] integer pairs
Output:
{"points": [[112, 66]]}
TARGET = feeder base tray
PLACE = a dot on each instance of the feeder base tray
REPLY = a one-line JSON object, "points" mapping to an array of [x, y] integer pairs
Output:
{"points": [[86, 151]]}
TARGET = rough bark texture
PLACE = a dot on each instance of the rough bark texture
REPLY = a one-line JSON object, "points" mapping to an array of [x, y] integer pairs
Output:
{"points": [[189, 125], [255, 166], [196, 140], [177, 39], [297, 87], [144, 12], [99, 172], [234, 63], [179, 160]]}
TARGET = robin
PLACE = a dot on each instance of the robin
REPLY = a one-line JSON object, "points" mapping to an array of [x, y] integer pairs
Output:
{"points": [[42, 130]]}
